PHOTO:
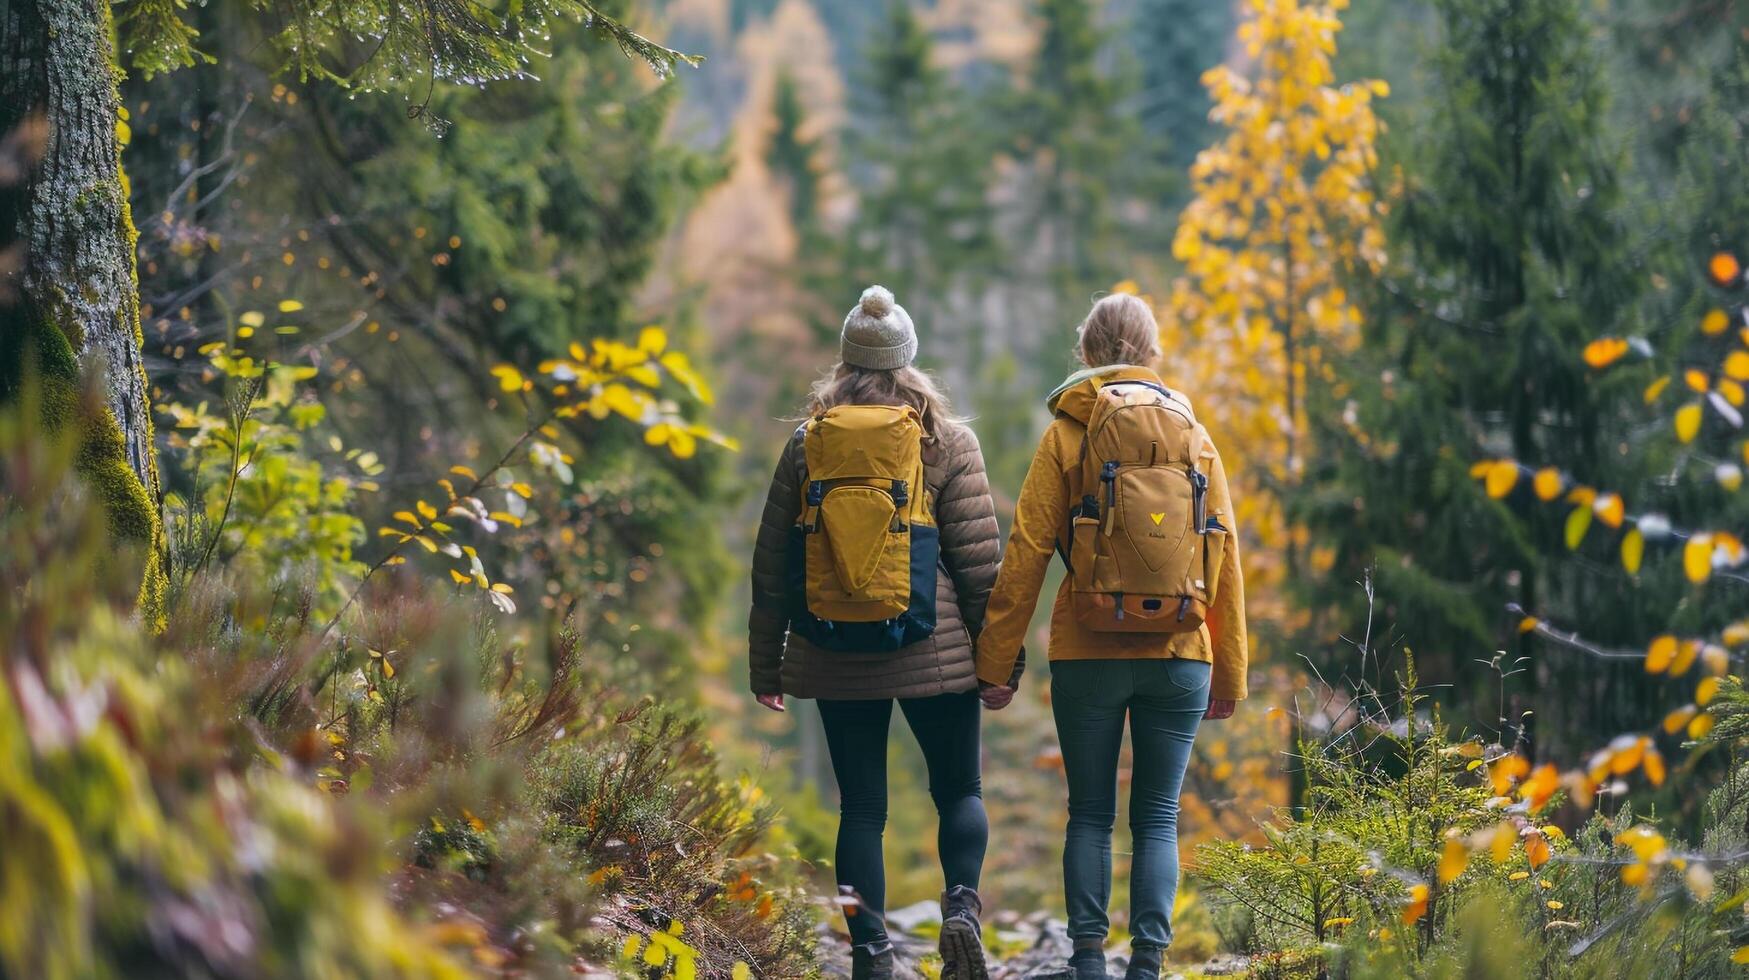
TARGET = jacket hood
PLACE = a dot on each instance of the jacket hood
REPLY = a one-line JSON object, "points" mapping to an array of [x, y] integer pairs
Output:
{"points": [[1075, 396]]}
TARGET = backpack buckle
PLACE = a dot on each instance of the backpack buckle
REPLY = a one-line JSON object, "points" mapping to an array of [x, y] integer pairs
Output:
{"points": [[816, 492], [900, 496]]}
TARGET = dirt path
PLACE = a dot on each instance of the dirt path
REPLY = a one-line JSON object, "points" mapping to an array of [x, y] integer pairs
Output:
{"points": [[1031, 947]]}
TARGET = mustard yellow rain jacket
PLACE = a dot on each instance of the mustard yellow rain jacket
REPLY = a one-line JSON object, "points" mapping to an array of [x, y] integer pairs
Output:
{"points": [[1041, 517]]}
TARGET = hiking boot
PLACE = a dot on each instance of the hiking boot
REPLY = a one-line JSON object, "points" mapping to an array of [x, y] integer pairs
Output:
{"points": [[1088, 963], [876, 961], [962, 937], [1144, 964]]}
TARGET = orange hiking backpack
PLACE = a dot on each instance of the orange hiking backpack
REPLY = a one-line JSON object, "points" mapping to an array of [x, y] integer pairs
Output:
{"points": [[864, 550], [1143, 552]]}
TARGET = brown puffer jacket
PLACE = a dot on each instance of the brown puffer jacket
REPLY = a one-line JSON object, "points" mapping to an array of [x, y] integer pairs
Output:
{"points": [[781, 663]]}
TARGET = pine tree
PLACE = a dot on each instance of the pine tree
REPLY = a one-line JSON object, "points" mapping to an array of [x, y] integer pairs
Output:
{"points": [[1283, 211], [1076, 130], [924, 222], [795, 155], [1176, 42], [1507, 257]]}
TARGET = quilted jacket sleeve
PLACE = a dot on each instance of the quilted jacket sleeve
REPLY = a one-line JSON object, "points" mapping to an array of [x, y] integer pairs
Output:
{"points": [[971, 546], [768, 623]]}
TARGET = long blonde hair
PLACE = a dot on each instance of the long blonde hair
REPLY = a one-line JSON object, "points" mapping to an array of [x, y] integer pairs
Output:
{"points": [[1120, 329], [847, 384]]}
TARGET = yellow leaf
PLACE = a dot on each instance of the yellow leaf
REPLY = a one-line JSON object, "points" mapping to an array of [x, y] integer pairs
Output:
{"points": [[1453, 859], [459, 578], [1676, 720], [426, 510], [1685, 654], [1528, 623], [1732, 391], [1501, 478], [388, 669], [1715, 322], [1536, 850], [1547, 483], [633, 944], [1741, 955], [1660, 653], [741, 971], [1518, 876], [1697, 558], [1633, 550], [252, 318], [426, 543], [460, 470], [652, 340], [656, 954], [1555, 905], [290, 306], [509, 378], [1417, 906], [502, 589], [1688, 421], [1604, 351], [1737, 365], [1656, 388], [1701, 724], [1654, 766], [407, 516], [1724, 269], [1609, 509], [1704, 692], [1582, 496], [1696, 379], [1480, 468], [1578, 522], [676, 927], [685, 968]]}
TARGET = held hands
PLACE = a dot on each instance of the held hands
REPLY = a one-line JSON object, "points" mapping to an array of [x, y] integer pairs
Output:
{"points": [[995, 696], [1219, 709], [772, 701]]}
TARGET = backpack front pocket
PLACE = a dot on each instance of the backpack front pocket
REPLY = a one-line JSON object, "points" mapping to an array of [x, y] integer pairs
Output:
{"points": [[1155, 504], [859, 556]]}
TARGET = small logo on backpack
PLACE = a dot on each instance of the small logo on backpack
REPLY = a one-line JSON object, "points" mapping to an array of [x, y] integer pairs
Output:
{"points": [[1158, 518]]}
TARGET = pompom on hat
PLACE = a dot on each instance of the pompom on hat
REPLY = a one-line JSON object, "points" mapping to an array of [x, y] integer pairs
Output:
{"points": [[878, 334]]}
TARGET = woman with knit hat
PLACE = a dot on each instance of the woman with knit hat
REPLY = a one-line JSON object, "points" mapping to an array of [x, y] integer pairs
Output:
{"points": [[932, 678]]}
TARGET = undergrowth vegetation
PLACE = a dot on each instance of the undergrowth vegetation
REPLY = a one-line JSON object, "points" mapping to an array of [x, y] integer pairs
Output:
{"points": [[433, 790]]}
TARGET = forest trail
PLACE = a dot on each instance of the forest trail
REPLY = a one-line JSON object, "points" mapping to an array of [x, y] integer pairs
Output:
{"points": [[1020, 947]]}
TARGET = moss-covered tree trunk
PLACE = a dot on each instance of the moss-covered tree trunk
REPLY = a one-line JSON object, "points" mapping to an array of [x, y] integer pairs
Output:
{"points": [[78, 292]]}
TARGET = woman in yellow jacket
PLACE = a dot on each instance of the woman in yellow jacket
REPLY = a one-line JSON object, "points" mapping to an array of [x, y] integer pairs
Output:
{"points": [[1164, 683]]}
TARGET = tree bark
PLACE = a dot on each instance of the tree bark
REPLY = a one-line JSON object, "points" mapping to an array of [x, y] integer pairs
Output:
{"points": [[57, 60]]}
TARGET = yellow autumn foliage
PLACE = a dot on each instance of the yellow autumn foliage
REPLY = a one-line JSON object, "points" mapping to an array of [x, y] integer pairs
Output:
{"points": [[1282, 205]]}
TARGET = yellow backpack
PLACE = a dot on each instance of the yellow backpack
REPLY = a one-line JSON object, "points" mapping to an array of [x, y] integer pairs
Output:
{"points": [[1144, 553], [864, 552]]}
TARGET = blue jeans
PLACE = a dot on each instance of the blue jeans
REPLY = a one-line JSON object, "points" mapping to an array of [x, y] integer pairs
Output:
{"points": [[1164, 701]]}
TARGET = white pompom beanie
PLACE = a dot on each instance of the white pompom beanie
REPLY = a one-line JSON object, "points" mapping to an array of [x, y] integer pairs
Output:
{"points": [[878, 334]]}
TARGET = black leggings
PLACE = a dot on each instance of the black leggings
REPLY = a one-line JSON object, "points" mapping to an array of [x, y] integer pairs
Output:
{"points": [[946, 727]]}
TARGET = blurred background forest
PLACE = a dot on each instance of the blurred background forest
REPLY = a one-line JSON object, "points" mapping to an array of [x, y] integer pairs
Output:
{"points": [[1437, 274]]}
